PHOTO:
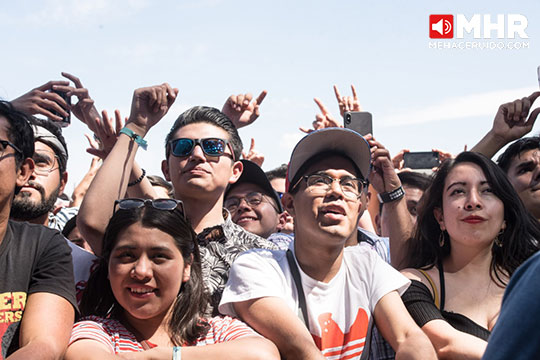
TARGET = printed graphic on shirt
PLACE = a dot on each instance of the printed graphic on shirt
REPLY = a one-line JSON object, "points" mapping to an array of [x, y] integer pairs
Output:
{"points": [[11, 311], [334, 344]]}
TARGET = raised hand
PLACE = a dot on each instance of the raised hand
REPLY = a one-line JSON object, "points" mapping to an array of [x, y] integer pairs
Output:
{"points": [[323, 120], [84, 109], [383, 176], [253, 155], [510, 123], [443, 155], [149, 105], [347, 103], [511, 120], [398, 161], [242, 110], [106, 133], [43, 101]]}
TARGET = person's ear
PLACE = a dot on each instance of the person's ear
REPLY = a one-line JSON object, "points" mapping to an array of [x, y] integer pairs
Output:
{"points": [[378, 224], [237, 169], [63, 182], [24, 172], [282, 221], [288, 203], [187, 271], [438, 214], [364, 201], [165, 169]]}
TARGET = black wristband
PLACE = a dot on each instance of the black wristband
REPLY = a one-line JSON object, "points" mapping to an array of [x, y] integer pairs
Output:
{"points": [[135, 182], [390, 196]]}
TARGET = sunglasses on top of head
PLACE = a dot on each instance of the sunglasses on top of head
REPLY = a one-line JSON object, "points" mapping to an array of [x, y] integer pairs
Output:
{"points": [[209, 146], [165, 204]]}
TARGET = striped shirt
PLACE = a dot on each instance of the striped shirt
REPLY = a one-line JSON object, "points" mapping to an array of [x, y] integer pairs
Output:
{"points": [[118, 339]]}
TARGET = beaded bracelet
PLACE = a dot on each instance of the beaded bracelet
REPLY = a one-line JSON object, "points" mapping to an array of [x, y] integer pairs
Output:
{"points": [[139, 179]]}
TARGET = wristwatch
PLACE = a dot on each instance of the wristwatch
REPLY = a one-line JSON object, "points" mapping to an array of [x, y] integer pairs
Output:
{"points": [[390, 196]]}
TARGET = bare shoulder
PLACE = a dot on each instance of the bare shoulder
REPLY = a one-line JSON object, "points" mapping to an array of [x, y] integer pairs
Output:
{"points": [[413, 274]]}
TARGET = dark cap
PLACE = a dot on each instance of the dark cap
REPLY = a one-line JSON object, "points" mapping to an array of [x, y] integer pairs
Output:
{"points": [[253, 174]]}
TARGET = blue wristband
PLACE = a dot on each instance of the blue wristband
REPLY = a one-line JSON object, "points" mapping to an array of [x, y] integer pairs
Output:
{"points": [[137, 138], [177, 353]]}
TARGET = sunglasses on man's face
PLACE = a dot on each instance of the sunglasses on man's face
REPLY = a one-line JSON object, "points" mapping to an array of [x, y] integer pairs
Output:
{"points": [[209, 146]]}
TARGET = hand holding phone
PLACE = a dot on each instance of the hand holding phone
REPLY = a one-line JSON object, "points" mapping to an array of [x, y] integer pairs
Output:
{"points": [[66, 120]]}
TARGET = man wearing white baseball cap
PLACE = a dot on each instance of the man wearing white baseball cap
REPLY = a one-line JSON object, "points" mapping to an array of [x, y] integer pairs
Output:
{"points": [[319, 299]]}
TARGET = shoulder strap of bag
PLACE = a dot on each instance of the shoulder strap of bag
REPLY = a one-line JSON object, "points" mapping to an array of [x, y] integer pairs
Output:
{"points": [[302, 306]]}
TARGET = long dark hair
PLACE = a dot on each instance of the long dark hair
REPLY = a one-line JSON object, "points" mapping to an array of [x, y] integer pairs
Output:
{"points": [[186, 322], [519, 239]]}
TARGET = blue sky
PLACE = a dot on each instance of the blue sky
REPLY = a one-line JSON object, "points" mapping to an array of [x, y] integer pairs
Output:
{"points": [[419, 97]]}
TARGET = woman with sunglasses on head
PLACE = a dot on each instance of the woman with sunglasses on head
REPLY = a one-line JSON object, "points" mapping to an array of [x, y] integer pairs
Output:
{"points": [[472, 233], [146, 298]]}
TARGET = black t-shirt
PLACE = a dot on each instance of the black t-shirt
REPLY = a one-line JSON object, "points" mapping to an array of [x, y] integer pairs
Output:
{"points": [[33, 258]]}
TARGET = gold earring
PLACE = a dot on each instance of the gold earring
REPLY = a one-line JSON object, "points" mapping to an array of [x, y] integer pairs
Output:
{"points": [[441, 239], [498, 240]]}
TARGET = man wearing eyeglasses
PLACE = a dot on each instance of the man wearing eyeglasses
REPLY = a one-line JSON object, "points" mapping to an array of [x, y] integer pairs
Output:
{"points": [[319, 299], [253, 203], [37, 292], [36, 200]]}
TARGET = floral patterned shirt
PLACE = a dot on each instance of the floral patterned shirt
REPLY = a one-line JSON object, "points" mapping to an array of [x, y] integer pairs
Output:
{"points": [[220, 245]]}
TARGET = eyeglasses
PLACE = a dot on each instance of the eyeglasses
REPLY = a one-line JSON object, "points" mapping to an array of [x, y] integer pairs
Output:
{"points": [[320, 184], [159, 204], [253, 199], [44, 162], [210, 146], [5, 143]]}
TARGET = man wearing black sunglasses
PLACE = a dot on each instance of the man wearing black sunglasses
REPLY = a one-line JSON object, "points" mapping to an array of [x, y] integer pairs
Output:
{"points": [[37, 292], [202, 158]]}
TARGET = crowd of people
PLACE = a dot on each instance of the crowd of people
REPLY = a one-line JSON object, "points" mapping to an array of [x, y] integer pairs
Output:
{"points": [[340, 253]]}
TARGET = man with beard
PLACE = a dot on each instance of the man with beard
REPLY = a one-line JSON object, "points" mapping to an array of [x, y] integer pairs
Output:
{"points": [[35, 202]]}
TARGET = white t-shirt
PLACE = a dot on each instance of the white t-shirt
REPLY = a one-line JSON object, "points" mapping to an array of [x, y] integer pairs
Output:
{"points": [[339, 312]]}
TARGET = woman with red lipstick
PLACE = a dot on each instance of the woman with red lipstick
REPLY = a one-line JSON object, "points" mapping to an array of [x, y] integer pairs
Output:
{"points": [[146, 298], [472, 233]]}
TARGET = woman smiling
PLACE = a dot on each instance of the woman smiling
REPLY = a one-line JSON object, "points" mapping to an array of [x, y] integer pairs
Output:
{"points": [[472, 234], [146, 299]]}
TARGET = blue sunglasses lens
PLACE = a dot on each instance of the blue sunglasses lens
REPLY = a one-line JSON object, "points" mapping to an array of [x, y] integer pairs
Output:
{"points": [[182, 147], [213, 146]]}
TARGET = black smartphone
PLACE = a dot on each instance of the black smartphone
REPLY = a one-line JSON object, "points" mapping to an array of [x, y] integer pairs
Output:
{"points": [[421, 160], [66, 120], [359, 121]]}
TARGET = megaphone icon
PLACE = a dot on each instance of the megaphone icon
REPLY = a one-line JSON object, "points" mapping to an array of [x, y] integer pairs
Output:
{"points": [[438, 26]]}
